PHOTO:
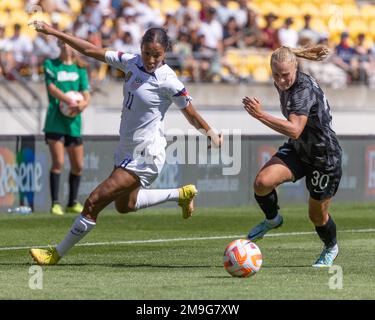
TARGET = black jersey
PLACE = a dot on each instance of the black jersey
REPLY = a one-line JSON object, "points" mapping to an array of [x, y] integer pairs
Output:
{"points": [[317, 145]]}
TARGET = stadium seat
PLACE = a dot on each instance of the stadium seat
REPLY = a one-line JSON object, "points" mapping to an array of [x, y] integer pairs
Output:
{"points": [[288, 9], [234, 58], [12, 4], [356, 26], [368, 12], [4, 18], [19, 16], [319, 25], [233, 5], [75, 6], [254, 60], [64, 20], [350, 11], [169, 5], [195, 4], [267, 7], [371, 28], [298, 23], [309, 8], [261, 74]]}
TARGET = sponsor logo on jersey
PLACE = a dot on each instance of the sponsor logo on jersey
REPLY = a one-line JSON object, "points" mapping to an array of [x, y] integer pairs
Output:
{"points": [[67, 76]]}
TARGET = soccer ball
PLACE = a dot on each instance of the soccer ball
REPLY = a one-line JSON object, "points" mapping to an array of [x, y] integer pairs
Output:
{"points": [[64, 108], [242, 258]]}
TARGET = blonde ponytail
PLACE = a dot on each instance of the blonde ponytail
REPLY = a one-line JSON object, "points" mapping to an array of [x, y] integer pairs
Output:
{"points": [[285, 54], [316, 53]]}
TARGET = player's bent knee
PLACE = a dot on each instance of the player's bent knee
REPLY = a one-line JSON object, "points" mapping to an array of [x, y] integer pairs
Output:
{"points": [[262, 185]]}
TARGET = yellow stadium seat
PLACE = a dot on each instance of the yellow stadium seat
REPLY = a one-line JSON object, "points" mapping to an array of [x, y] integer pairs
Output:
{"points": [[63, 20], [19, 16], [195, 4], [261, 22], [319, 25], [261, 74], [371, 28], [40, 16], [267, 7], [31, 33], [169, 5], [357, 26], [4, 18], [288, 9], [233, 5], [368, 43], [329, 11], [309, 8], [155, 4], [11, 4], [253, 61], [368, 12], [233, 57], [75, 6], [298, 23], [350, 11]]}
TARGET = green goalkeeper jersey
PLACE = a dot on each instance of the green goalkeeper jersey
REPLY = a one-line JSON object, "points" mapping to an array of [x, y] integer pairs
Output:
{"points": [[66, 78]]}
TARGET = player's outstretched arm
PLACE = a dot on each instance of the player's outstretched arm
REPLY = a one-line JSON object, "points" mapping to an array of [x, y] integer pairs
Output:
{"points": [[83, 46], [200, 124]]}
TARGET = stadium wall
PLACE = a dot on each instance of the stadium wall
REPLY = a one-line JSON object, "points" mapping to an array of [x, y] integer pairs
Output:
{"points": [[352, 108], [224, 177]]}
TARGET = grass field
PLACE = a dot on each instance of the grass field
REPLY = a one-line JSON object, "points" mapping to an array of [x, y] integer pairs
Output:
{"points": [[119, 260]]}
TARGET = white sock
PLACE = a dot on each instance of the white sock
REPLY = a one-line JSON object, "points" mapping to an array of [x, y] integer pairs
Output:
{"points": [[275, 221], [150, 197], [80, 228]]}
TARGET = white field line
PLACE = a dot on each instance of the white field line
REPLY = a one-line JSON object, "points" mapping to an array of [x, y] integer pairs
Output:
{"points": [[111, 243]]}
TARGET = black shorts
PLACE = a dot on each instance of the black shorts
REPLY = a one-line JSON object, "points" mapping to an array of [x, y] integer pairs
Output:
{"points": [[322, 183], [69, 141]]}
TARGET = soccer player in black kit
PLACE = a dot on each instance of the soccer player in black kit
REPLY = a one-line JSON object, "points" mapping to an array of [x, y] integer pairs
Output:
{"points": [[312, 150]]}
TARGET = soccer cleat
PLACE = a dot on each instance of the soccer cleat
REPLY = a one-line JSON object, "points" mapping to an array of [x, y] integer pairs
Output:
{"points": [[45, 256], [258, 232], [327, 257], [57, 209], [186, 199], [75, 208]]}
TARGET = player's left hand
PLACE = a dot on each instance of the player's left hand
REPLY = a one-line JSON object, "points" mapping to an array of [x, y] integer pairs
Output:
{"points": [[253, 107], [218, 142], [215, 140]]}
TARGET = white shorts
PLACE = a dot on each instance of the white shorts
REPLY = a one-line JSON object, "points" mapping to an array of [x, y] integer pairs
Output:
{"points": [[146, 166]]}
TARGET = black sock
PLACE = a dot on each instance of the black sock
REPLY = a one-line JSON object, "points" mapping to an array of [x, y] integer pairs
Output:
{"points": [[327, 233], [268, 204], [54, 181], [73, 188]]}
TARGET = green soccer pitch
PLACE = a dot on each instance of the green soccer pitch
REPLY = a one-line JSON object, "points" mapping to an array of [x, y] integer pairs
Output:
{"points": [[155, 254]]}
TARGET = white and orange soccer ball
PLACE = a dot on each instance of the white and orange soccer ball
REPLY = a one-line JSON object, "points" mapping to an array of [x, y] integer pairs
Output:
{"points": [[242, 258], [64, 108]]}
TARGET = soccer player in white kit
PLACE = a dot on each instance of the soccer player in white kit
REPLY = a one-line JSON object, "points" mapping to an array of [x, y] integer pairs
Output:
{"points": [[150, 88]]}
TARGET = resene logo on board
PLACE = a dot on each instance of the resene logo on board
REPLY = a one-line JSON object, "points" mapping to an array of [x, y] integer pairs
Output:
{"points": [[18, 174]]}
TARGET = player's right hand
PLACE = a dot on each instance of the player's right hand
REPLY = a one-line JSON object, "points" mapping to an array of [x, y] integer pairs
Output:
{"points": [[41, 26]]}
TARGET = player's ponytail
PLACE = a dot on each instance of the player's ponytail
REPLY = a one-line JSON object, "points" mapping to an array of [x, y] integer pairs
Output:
{"points": [[285, 54], [316, 53]]}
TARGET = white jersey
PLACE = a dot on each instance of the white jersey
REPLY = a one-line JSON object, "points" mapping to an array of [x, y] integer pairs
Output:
{"points": [[147, 98]]}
